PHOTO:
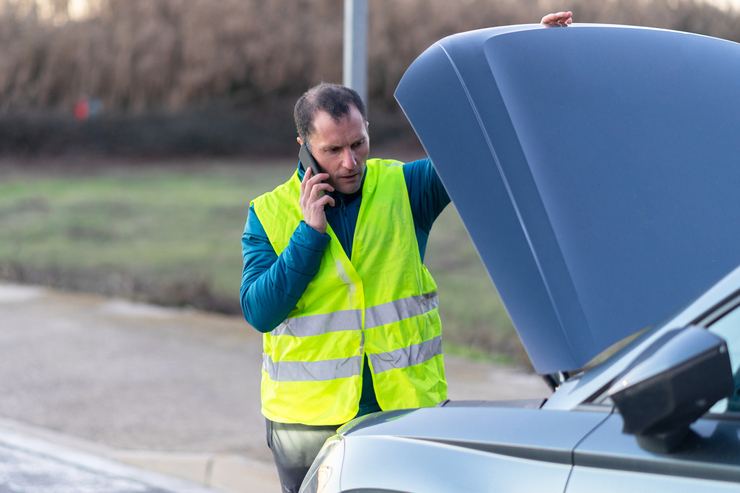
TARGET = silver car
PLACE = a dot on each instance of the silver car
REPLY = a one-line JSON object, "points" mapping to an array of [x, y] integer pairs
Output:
{"points": [[597, 170]]}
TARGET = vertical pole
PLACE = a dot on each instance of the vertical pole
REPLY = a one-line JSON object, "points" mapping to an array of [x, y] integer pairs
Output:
{"points": [[355, 46]]}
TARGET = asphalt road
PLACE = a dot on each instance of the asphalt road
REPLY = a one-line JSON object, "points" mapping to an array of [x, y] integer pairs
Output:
{"points": [[138, 377]]}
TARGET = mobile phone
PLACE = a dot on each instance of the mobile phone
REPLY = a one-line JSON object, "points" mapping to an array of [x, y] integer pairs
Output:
{"points": [[308, 160]]}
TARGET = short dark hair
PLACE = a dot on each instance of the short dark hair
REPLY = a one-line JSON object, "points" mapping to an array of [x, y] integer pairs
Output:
{"points": [[332, 98]]}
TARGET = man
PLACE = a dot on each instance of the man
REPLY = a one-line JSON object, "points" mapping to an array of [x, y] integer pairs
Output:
{"points": [[334, 278]]}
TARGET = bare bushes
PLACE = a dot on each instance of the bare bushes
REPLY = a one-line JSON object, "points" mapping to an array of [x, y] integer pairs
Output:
{"points": [[139, 55], [209, 131], [171, 57]]}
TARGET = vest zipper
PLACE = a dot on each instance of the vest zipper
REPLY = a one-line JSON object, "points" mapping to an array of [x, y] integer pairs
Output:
{"points": [[348, 239]]}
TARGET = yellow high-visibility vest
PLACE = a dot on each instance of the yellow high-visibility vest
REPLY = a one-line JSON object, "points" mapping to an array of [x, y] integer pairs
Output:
{"points": [[381, 303]]}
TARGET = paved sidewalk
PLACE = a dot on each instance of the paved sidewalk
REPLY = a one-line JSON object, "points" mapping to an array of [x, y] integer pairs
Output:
{"points": [[171, 391]]}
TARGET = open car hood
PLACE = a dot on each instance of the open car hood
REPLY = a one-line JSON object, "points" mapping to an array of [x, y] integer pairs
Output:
{"points": [[596, 168]]}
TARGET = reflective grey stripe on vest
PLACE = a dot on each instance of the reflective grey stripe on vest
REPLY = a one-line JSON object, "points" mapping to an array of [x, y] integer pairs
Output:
{"points": [[302, 371], [407, 356], [400, 309], [312, 325]]}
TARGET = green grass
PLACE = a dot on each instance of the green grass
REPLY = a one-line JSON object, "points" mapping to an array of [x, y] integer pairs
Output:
{"points": [[172, 235]]}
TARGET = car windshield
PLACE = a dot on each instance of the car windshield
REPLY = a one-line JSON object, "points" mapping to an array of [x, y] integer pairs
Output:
{"points": [[617, 347]]}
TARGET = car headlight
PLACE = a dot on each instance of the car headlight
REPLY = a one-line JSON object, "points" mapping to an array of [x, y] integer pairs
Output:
{"points": [[323, 476]]}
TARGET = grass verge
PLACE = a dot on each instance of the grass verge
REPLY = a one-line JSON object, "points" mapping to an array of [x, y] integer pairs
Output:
{"points": [[171, 235]]}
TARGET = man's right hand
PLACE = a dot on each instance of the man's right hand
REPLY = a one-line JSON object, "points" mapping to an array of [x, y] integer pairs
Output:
{"points": [[558, 19], [314, 199]]}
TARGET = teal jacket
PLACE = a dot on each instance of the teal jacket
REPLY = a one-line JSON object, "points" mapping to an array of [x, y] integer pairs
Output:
{"points": [[272, 284]]}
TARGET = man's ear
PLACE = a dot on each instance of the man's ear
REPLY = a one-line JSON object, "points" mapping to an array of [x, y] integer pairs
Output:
{"points": [[299, 140], [367, 124]]}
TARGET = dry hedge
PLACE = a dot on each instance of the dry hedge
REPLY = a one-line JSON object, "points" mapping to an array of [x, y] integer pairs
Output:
{"points": [[143, 55], [219, 76]]}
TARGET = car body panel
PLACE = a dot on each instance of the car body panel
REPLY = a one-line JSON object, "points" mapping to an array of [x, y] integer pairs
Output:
{"points": [[481, 448], [414, 466], [610, 461], [591, 165]]}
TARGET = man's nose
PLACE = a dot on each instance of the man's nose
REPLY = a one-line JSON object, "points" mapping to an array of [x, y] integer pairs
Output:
{"points": [[349, 160]]}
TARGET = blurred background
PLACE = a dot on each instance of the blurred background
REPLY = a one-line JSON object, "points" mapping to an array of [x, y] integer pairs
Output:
{"points": [[134, 133]]}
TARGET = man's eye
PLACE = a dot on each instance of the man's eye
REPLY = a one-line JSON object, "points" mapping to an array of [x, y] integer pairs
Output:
{"points": [[357, 144]]}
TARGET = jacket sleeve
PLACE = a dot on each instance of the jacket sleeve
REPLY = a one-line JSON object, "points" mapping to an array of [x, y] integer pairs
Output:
{"points": [[272, 284], [427, 195]]}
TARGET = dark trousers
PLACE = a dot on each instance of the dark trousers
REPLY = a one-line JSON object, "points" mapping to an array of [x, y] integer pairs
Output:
{"points": [[294, 447]]}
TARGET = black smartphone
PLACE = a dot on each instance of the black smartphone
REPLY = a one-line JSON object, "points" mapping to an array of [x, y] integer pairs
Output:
{"points": [[308, 160]]}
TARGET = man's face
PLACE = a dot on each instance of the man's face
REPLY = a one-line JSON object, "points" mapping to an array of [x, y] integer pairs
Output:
{"points": [[341, 148]]}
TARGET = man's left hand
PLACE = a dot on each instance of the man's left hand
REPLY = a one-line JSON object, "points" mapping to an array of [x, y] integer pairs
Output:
{"points": [[557, 19]]}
